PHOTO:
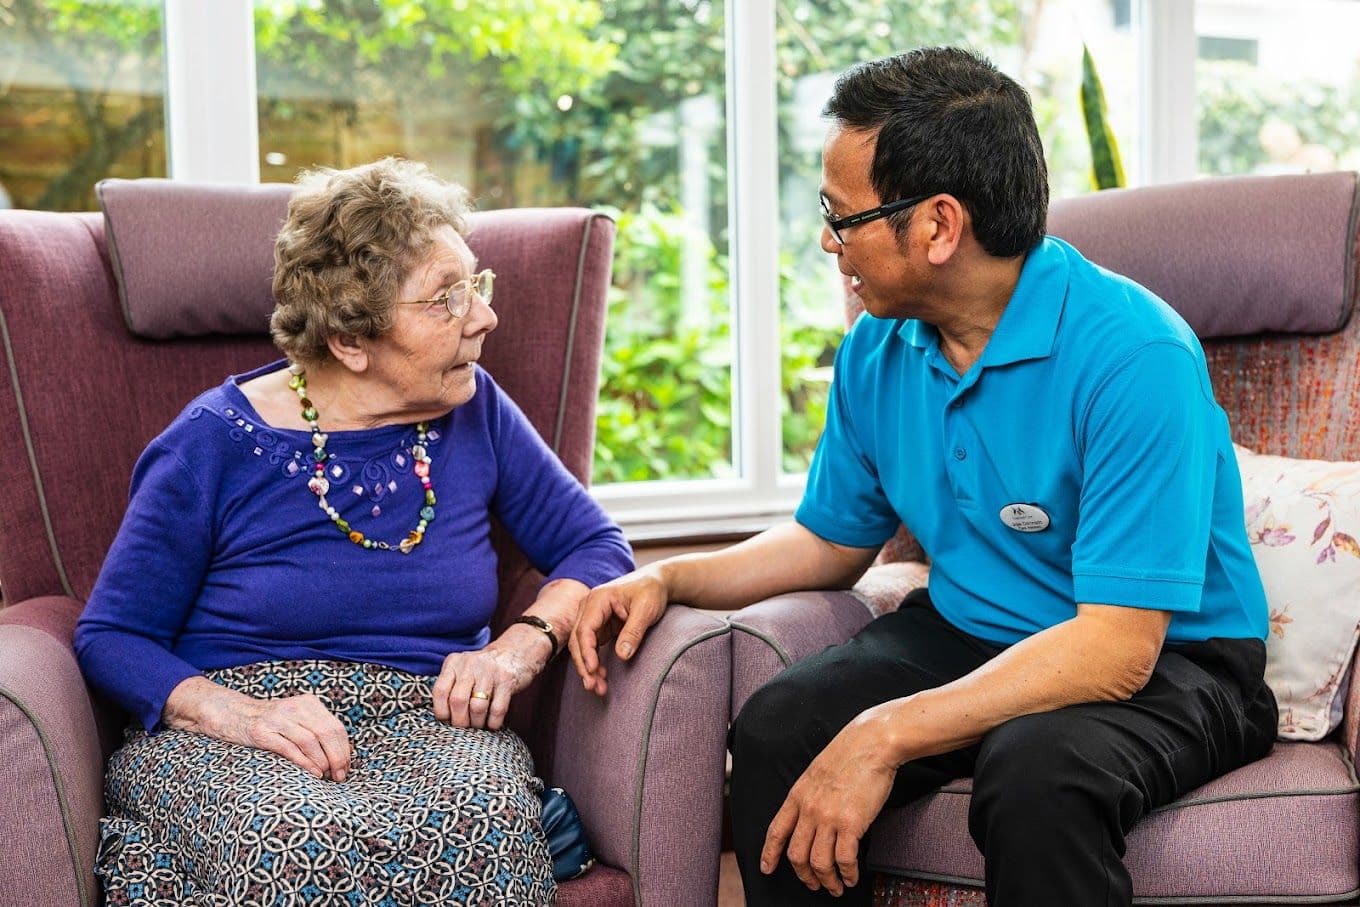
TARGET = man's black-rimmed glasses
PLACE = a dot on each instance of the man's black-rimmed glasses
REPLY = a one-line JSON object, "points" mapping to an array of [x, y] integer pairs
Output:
{"points": [[837, 224]]}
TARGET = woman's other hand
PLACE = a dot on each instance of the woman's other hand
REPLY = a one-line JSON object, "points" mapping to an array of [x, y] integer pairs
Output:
{"points": [[623, 609], [474, 689], [298, 728]]}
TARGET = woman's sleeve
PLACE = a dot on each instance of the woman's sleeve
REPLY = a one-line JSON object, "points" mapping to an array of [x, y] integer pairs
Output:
{"points": [[562, 529], [146, 588]]}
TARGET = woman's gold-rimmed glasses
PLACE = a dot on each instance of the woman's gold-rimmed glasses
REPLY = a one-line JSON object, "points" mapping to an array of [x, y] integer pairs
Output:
{"points": [[458, 297]]}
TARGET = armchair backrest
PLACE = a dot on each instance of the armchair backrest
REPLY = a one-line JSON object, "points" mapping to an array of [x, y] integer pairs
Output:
{"points": [[81, 396], [1267, 271]]}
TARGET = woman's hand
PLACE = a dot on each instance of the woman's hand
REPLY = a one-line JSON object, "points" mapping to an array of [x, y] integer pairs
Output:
{"points": [[625, 608], [474, 688], [298, 728]]}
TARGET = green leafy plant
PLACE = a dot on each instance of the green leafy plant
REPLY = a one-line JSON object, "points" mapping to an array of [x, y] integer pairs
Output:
{"points": [[665, 407], [1107, 168], [1249, 121]]}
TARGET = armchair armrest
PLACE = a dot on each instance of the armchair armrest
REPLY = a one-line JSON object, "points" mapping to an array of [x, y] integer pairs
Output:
{"points": [[769, 636], [645, 765], [51, 762], [1350, 723]]}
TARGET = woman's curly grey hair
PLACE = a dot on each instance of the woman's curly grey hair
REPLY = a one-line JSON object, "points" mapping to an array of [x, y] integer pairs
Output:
{"points": [[350, 241]]}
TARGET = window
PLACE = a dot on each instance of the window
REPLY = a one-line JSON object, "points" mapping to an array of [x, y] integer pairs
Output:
{"points": [[696, 123], [1264, 107], [1244, 50], [549, 103], [81, 98]]}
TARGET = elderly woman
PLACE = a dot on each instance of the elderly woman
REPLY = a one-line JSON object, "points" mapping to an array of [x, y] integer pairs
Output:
{"points": [[305, 647]]}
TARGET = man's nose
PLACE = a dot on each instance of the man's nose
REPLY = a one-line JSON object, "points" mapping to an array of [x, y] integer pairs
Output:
{"points": [[829, 244]]}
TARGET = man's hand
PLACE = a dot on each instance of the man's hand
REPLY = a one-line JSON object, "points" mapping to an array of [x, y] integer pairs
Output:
{"points": [[625, 608], [829, 809]]}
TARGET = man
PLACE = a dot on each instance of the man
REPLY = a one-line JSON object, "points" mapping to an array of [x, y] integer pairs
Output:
{"points": [[1092, 642]]}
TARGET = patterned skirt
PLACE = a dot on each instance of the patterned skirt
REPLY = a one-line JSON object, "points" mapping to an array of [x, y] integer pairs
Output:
{"points": [[429, 814]]}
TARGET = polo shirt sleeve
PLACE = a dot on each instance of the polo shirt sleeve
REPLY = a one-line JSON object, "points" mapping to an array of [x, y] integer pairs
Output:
{"points": [[1149, 464], [844, 501]]}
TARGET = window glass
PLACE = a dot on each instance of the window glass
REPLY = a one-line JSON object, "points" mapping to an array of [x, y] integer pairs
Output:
{"points": [[1038, 43], [613, 105], [81, 98], [1264, 107]]}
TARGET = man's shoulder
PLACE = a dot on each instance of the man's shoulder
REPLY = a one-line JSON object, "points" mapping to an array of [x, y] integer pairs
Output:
{"points": [[1109, 316]]}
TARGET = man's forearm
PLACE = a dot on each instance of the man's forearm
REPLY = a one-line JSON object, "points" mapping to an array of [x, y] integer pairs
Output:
{"points": [[1100, 658], [786, 558]]}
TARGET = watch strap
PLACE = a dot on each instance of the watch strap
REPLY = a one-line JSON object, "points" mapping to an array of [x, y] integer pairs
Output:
{"points": [[539, 623]]}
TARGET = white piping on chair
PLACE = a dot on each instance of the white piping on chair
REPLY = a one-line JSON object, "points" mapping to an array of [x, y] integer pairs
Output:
{"points": [[641, 786]]}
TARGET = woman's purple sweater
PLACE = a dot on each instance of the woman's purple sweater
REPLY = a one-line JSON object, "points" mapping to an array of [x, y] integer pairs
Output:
{"points": [[224, 557]]}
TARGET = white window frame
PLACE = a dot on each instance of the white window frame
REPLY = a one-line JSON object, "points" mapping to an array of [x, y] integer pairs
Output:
{"points": [[212, 129], [211, 115]]}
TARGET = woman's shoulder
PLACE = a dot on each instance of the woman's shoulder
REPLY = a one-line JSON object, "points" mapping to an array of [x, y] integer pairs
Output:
{"points": [[218, 419]]}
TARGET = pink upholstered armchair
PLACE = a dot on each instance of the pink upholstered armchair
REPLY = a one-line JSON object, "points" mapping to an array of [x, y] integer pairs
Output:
{"points": [[90, 378], [1266, 271]]}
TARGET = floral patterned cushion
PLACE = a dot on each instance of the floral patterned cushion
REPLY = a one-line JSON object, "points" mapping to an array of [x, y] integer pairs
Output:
{"points": [[1303, 520]]}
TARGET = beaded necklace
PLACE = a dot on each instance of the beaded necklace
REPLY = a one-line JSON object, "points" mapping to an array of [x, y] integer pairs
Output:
{"points": [[319, 484]]}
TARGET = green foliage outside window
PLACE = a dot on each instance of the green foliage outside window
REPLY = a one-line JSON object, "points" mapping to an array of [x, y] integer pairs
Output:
{"points": [[577, 91], [666, 411], [1251, 122]]}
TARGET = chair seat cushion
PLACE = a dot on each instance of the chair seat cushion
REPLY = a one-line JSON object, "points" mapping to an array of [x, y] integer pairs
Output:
{"points": [[1283, 828]]}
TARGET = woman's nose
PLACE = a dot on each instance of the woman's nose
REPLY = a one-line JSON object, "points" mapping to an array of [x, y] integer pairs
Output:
{"points": [[481, 318]]}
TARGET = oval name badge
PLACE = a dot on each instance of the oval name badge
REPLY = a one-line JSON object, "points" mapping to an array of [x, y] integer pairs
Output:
{"points": [[1025, 517]]}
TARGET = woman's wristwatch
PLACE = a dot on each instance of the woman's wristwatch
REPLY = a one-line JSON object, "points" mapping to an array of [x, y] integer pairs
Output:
{"points": [[539, 623]]}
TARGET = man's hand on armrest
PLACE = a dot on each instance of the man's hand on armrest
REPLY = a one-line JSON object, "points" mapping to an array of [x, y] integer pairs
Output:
{"points": [[783, 559]]}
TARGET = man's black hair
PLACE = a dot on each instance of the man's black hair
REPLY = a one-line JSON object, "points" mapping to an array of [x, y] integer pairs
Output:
{"points": [[950, 121]]}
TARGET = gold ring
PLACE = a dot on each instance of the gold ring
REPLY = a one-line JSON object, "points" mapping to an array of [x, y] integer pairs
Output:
{"points": [[480, 694]]}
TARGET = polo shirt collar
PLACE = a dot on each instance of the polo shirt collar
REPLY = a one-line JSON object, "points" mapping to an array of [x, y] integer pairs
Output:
{"points": [[1029, 325]]}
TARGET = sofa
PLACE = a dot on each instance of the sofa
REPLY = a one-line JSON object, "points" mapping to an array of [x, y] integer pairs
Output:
{"points": [[110, 324], [1265, 269]]}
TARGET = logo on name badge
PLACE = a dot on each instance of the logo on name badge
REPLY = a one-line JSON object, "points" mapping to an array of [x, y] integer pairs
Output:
{"points": [[1025, 517]]}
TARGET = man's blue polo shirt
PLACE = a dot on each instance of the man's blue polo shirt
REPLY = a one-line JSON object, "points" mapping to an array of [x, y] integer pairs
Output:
{"points": [[1090, 405]]}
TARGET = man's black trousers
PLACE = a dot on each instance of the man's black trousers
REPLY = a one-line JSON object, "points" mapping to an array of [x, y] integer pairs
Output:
{"points": [[1054, 794]]}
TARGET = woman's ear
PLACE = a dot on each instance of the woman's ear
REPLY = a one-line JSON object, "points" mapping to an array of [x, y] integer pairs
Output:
{"points": [[350, 351]]}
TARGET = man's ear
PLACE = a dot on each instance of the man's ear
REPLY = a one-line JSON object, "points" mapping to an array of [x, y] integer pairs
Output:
{"points": [[949, 223], [350, 351]]}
